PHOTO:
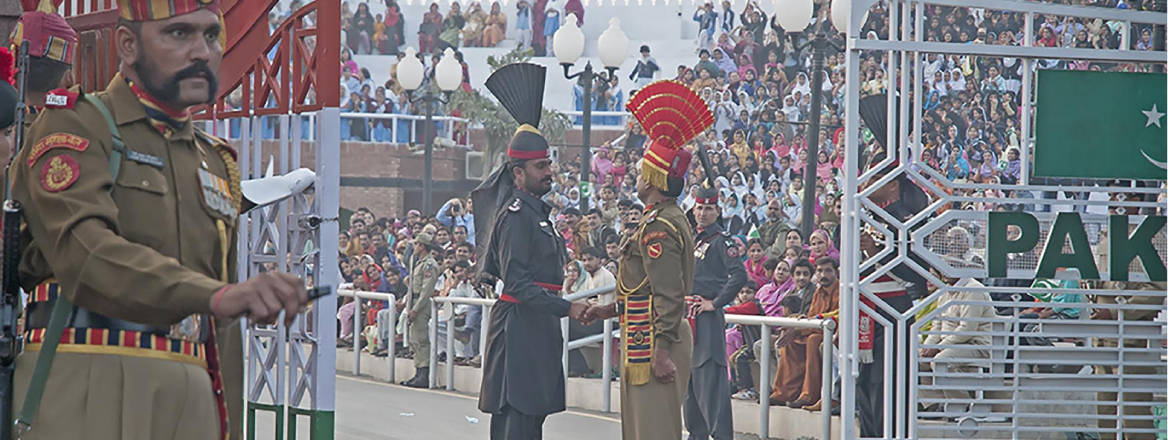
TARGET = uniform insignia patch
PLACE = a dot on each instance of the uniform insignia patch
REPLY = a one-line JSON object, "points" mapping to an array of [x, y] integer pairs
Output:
{"points": [[56, 140], [700, 251], [732, 251], [653, 249], [514, 206], [59, 173], [653, 235], [217, 194], [147, 159]]}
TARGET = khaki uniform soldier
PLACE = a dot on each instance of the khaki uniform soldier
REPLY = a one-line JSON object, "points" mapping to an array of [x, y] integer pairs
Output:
{"points": [[130, 218], [657, 269], [1135, 404], [423, 276]]}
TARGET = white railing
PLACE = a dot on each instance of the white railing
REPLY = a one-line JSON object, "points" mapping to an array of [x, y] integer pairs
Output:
{"points": [[484, 328], [606, 119], [359, 297], [447, 131], [608, 334], [764, 361], [1038, 374]]}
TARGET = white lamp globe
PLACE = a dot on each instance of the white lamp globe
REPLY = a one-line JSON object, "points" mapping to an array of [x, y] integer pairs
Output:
{"points": [[569, 41], [409, 70], [793, 15], [839, 15], [449, 71], [613, 44]]}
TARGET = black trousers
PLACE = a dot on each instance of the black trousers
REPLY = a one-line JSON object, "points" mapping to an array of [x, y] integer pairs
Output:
{"points": [[510, 424], [870, 398]]}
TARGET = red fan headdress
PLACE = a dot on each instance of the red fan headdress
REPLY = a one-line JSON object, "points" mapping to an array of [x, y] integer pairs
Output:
{"points": [[672, 115]]}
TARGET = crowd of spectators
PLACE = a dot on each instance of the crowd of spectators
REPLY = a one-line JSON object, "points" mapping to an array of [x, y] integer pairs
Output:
{"points": [[366, 33]]}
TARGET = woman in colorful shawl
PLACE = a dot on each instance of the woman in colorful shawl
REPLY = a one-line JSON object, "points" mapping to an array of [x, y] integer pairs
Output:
{"points": [[496, 26]]}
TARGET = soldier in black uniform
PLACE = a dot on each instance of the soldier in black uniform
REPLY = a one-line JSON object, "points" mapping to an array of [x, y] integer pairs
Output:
{"points": [[523, 378], [718, 276]]}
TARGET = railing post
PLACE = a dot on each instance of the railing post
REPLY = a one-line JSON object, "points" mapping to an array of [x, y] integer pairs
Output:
{"points": [[564, 354], [433, 345], [356, 335], [764, 384], [391, 345], [606, 375], [449, 346], [826, 376], [484, 330]]}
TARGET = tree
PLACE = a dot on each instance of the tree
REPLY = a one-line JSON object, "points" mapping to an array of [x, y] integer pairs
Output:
{"points": [[497, 124]]}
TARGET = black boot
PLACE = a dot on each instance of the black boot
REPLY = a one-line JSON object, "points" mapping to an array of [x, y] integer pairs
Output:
{"points": [[421, 379]]}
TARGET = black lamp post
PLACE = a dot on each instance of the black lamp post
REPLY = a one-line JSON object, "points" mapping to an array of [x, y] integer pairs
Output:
{"points": [[448, 75], [568, 46]]}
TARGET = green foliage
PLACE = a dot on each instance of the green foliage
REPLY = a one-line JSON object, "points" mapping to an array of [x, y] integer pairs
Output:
{"points": [[497, 124]]}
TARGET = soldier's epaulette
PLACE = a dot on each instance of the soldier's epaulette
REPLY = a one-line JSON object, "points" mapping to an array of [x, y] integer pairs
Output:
{"points": [[515, 205], [652, 217], [61, 98], [217, 142]]}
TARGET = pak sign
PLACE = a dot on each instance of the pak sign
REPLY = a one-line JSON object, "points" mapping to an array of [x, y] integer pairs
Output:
{"points": [[1122, 247], [1108, 125]]}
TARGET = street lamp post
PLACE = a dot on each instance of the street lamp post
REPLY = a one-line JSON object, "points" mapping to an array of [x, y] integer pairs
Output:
{"points": [[795, 18], [569, 45], [448, 75]]}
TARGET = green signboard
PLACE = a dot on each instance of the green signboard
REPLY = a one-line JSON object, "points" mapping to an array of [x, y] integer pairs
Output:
{"points": [[1109, 125]]}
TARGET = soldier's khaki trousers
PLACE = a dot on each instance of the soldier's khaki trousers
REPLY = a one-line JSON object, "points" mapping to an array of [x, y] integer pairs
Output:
{"points": [[420, 339], [653, 411], [100, 396]]}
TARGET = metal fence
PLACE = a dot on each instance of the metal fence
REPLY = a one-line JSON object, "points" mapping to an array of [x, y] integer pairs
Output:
{"points": [[447, 128], [606, 338], [359, 298]]}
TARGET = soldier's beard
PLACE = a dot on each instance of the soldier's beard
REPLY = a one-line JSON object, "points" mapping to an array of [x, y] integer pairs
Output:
{"points": [[170, 89]]}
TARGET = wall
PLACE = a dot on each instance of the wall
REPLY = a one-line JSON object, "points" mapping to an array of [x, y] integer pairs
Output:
{"points": [[387, 178]]}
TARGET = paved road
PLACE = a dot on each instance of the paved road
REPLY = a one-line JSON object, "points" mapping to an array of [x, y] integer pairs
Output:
{"points": [[371, 410], [375, 410]]}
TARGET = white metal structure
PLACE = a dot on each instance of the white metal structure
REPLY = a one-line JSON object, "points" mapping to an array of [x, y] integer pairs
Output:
{"points": [[290, 370], [1020, 390]]}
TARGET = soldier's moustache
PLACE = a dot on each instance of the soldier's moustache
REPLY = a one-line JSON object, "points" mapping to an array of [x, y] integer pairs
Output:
{"points": [[168, 91]]}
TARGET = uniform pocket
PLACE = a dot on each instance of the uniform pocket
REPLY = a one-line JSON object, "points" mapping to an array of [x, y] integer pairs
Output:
{"points": [[143, 178]]}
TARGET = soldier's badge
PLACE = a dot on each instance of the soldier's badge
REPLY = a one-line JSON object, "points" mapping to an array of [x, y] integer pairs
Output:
{"points": [[653, 250], [59, 173], [653, 235], [217, 194], [56, 140], [514, 206], [60, 98], [732, 251]]}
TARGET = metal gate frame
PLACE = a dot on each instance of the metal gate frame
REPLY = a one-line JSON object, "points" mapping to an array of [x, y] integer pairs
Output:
{"points": [[906, 44]]}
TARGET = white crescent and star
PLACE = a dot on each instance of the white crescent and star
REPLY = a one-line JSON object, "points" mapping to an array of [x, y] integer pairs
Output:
{"points": [[1154, 115]]}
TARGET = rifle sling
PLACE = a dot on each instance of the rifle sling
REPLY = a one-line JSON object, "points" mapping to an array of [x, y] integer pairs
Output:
{"points": [[62, 307]]}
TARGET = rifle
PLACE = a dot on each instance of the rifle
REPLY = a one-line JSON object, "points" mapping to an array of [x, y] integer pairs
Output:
{"points": [[10, 295]]}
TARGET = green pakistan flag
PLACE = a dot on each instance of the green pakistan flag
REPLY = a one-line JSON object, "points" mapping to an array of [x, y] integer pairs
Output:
{"points": [[1107, 125]]}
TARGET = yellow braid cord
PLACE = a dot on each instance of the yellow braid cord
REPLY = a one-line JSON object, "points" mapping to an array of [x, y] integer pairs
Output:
{"points": [[654, 175]]}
